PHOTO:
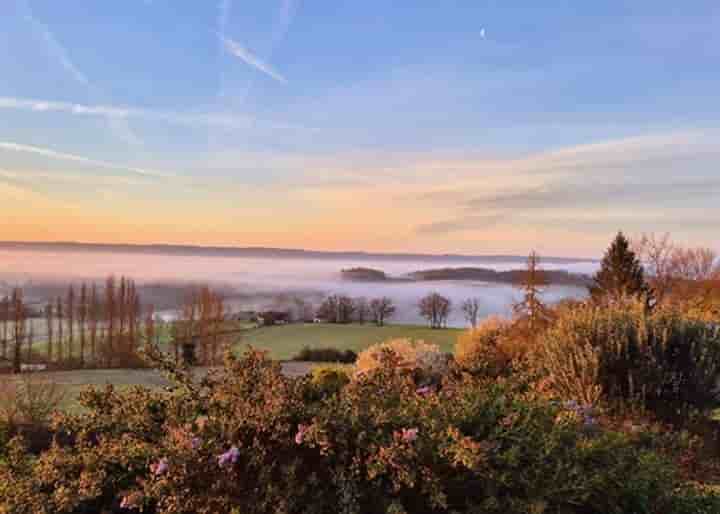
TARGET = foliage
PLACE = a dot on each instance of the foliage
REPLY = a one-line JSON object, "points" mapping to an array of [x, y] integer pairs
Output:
{"points": [[28, 400], [621, 274], [663, 361], [247, 439], [490, 349], [424, 361], [329, 379], [325, 355]]}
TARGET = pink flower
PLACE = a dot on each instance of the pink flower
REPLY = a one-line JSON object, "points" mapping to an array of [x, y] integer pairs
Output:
{"points": [[409, 434], [229, 457], [302, 430], [195, 443], [424, 391], [159, 468]]}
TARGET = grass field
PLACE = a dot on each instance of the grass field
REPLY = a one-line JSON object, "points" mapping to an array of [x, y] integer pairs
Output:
{"points": [[285, 341]]}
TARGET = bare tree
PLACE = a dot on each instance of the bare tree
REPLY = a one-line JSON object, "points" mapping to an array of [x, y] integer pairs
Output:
{"points": [[362, 309], [436, 309], [5, 319], [381, 309], [19, 316], [337, 309], [656, 253], [471, 310], [94, 317], [110, 316], [82, 320], [696, 264], [59, 315], [50, 330], [70, 312], [531, 307]]}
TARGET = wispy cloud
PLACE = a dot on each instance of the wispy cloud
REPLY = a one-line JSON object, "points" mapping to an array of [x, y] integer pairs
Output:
{"points": [[57, 50], [249, 58], [468, 223], [52, 154], [119, 127], [227, 121]]}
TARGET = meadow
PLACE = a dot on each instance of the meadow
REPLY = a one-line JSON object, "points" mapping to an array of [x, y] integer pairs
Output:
{"points": [[283, 342]]}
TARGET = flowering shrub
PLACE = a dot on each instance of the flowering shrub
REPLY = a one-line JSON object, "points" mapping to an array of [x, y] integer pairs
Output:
{"points": [[248, 439], [424, 360]]}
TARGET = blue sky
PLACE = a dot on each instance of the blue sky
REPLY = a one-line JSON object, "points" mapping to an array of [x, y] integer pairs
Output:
{"points": [[458, 126]]}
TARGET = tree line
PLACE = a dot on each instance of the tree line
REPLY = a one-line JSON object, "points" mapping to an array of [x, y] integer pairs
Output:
{"points": [[107, 326]]}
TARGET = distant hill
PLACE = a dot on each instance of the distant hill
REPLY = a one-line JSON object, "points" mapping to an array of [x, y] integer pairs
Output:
{"points": [[259, 252], [553, 277], [364, 275]]}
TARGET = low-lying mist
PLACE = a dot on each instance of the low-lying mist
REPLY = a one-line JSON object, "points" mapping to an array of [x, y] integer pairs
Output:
{"points": [[251, 283]]}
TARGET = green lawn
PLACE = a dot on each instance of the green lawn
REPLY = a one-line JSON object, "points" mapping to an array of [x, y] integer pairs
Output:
{"points": [[285, 341]]}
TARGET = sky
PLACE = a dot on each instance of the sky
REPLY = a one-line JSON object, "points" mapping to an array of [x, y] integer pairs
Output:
{"points": [[441, 127]]}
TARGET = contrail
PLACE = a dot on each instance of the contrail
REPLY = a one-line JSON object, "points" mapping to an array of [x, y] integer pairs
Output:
{"points": [[47, 152], [248, 57]]}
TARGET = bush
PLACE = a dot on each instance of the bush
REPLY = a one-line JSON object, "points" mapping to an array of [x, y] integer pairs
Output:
{"points": [[425, 361], [248, 439], [490, 349], [659, 360], [325, 355], [330, 379], [28, 400]]}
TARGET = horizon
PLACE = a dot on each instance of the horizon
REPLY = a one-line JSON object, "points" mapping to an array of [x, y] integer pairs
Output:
{"points": [[4, 244], [463, 129]]}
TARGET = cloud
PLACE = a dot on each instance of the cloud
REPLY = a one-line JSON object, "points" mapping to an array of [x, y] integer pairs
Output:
{"points": [[52, 154], [468, 223], [123, 113], [249, 58]]}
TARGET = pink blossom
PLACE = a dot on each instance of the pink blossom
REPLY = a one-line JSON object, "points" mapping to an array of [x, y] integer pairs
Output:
{"points": [[424, 391], [195, 443], [229, 457], [302, 430], [159, 468], [409, 434]]}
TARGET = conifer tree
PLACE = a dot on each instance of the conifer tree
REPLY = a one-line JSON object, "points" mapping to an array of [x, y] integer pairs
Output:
{"points": [[621, 274]]}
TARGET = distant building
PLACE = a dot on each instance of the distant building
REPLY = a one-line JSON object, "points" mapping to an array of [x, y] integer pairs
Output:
{"points": [[269, 318]]}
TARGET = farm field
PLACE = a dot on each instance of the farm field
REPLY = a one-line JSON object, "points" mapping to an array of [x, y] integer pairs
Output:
{"points": [[71, 383], [283, 342]]}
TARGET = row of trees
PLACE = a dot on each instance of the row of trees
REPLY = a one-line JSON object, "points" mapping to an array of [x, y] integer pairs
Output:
{"points": [[345, 309], [199, 335], [88, 325], [107, 326]]}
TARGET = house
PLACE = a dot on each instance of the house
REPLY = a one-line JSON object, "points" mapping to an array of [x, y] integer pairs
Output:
{"points": [[269, 318]]}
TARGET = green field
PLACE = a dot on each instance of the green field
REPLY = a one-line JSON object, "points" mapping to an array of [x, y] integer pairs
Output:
{"points": [[285, 341]]}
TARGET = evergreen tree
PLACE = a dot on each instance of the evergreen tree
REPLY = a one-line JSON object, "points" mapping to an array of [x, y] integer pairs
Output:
{"points": [[621, 274]]}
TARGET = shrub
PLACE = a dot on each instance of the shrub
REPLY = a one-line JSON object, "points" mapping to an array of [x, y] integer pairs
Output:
{"points": [[325, 355], [423, 360], [248, 439], [660, 360], [28, 400], [490, 349], [330, 379]]}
